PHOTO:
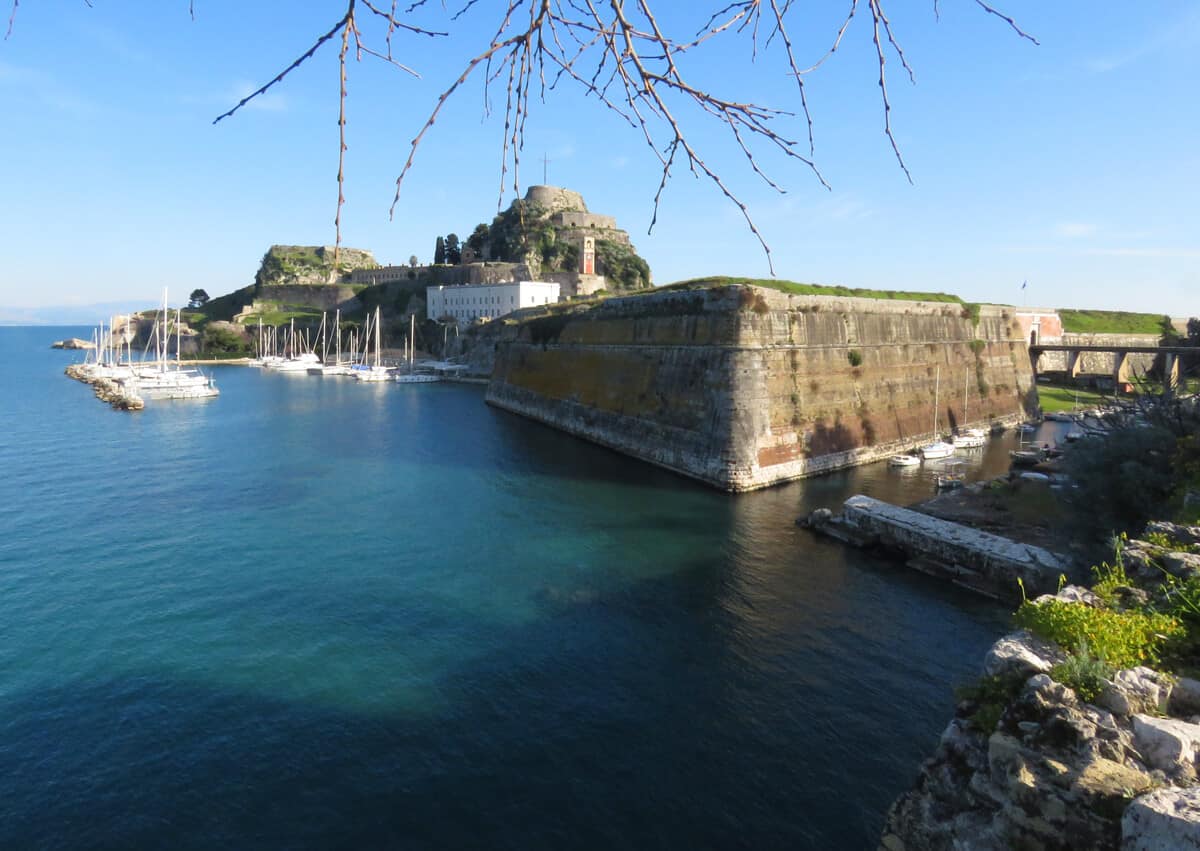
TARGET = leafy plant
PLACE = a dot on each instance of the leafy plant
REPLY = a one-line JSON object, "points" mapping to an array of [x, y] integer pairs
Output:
{"points": [[1084, 673], [855, 357], [1121, 639]]}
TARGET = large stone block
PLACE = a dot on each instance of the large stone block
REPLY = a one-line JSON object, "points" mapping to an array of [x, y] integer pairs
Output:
{"points": [[1163, 820]]}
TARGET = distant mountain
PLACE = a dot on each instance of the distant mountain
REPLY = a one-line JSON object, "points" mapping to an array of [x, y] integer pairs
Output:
{"points": [[70, 314]]}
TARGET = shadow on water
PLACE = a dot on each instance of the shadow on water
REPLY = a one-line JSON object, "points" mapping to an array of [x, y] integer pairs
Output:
{"points": [[679, 712]]}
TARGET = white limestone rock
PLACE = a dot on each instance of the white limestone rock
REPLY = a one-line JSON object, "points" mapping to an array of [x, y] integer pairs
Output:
{"points": [[1167, 743], [1020, 653], [1183, 565], [1164, 820], [1136, 691]]}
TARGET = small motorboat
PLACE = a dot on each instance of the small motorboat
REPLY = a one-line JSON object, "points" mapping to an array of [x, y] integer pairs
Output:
{"points": [[950, 481], [904, 461], [954, 476], [1074, 434], [966, 440], [1026, 457]]}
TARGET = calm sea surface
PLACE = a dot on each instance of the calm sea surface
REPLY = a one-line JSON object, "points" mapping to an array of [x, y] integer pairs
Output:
{"points": [[317, 613]]}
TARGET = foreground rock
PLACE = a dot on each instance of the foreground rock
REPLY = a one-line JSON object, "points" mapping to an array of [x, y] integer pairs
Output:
{"points": [[1166, 820], [1054, 772]]}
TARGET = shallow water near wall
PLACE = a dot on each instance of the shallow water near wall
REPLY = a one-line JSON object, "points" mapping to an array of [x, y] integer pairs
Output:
{"points": [[313, 612]]}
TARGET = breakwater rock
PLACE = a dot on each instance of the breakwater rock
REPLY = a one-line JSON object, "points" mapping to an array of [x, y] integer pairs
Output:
{"points": [[73, 343], [979, 561], [742, 387]]}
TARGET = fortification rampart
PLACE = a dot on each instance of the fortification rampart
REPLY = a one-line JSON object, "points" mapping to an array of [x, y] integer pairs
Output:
{"points": [[743, 387], [319, 297]]}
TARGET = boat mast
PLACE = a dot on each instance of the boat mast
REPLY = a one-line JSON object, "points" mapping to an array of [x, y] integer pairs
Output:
{"points": [[966, 384], [377, 352], [162, 358], [337, 335], [937, 377]]}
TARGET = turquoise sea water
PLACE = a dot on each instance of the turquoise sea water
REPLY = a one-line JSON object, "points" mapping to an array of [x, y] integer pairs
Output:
{"points": [[316, 613]]}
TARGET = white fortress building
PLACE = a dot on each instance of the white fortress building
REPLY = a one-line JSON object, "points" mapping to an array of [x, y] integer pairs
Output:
{"points": [[468, 302]]}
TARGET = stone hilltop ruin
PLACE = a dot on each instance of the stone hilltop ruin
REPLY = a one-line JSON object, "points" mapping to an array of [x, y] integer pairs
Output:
{"points": [[549, 235]]}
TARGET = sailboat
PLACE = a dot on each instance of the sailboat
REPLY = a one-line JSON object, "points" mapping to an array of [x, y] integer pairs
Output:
{"points": [[160, 381], [295, 363], [413, 377], [971, 438], [338, 367], [376, 371], [939, 448]]}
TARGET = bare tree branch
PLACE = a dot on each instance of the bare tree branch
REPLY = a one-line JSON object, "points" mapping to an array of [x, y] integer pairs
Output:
{"points": [[1006, 19], [337, 28], [617, 52], [12, 17]]}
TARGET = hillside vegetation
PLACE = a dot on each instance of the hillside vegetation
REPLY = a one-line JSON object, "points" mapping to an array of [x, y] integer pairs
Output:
{"points": [[308, 264]]}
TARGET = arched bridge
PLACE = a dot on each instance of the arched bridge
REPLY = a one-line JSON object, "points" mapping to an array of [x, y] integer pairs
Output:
{"points": [[1120, 373]]}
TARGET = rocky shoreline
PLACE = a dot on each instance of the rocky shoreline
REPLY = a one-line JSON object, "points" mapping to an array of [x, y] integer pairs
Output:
{"points": [[1029, 763]]}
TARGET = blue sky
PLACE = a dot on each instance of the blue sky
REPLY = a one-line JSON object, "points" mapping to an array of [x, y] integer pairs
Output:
{"points": [[1073, 164]]}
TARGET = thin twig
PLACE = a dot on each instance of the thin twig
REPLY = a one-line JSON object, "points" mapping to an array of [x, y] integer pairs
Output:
{"points": [[1007, 20], [12, 17], [306, 55]]}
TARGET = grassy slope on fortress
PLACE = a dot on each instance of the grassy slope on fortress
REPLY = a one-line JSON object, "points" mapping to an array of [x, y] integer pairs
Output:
{"points": [[793, 288], [1110, 322]]}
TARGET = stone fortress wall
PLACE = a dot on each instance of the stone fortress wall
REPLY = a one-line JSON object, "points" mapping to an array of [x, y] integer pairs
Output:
{"points": [[743, 387]]}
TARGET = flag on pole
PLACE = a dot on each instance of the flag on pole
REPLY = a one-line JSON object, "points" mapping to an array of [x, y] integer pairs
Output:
{"points": [[1023, 283]]}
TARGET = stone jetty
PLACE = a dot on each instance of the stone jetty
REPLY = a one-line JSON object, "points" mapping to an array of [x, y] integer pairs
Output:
{"points": [[107, 390], [980, 561]]}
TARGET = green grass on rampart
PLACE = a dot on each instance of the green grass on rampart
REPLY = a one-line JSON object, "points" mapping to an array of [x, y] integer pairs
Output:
{"points": [[1110, 322], [793, 288], [283, 314], [1055, 399]]}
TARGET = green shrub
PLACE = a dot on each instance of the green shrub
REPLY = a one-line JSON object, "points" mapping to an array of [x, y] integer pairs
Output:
{"points": [[855, 357], [1083, 672], [1121, 639], [990, 696], [1122, 481]]}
